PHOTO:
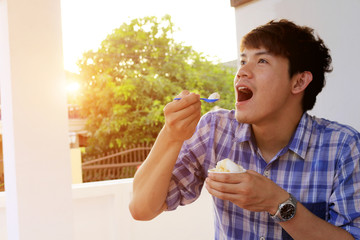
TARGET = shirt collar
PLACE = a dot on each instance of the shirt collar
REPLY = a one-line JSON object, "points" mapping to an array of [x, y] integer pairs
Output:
{"points": [[301, 138], [298, 143], [243, 132]]}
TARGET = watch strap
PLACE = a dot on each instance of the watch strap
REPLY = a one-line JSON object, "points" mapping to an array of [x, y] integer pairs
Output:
{"points": [[277, 216]]}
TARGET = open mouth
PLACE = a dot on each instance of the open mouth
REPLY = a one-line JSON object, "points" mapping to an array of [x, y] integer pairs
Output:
{"points": [[244, 94]]}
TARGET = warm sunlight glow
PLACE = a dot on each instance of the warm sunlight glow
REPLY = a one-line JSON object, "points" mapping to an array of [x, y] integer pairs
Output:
{"points": [[73, 87], [207, 26]]}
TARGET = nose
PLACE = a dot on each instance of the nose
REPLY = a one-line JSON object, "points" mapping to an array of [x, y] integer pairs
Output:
{"points": [[243, 72]]}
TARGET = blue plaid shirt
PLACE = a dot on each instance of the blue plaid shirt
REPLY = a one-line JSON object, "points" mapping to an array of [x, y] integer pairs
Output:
{"points": [[319, 166]]}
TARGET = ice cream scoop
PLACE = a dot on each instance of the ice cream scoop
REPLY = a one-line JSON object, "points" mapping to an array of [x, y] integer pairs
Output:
{"points": [[227, 166]]}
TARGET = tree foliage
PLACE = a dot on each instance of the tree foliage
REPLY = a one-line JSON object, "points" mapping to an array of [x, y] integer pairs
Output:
{"points": [[136, 71]]}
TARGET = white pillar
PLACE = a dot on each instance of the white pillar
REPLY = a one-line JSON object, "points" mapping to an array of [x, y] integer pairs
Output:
{"points": [[34, 116]]}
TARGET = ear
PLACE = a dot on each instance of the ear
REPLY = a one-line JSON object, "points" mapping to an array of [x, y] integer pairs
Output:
{"points": [[301, 81]]}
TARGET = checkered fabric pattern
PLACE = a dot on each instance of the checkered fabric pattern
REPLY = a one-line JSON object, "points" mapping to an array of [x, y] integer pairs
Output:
{"points": [[319, 166]]}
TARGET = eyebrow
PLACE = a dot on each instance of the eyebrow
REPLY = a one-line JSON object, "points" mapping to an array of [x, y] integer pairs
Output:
{"points": [[257, 53]]}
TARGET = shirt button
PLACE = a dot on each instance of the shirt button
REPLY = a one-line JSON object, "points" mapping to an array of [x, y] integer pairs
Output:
{"points": [[262, 238], [266, 173]]}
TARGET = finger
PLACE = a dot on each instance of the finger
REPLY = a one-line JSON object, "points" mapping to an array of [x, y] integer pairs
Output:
{"points": [[176, 113], [195, 116], [223, 186], [193, 122], [183, 107], [184, 123], [228, 177], [221, 195], [186, 100], [183, 94], [238, 199], [241, 197]]}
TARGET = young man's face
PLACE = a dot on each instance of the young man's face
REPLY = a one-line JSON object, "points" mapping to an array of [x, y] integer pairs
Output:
{"points": [[262, 87]]}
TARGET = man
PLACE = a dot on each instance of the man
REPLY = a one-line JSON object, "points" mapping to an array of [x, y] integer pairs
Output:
{"points": [[303, 177]]}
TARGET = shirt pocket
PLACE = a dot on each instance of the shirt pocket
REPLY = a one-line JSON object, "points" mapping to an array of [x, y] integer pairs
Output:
{"points": [[318, 209]]}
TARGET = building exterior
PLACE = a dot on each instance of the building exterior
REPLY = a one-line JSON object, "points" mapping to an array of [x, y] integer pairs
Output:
{"points": [[333, 21]]}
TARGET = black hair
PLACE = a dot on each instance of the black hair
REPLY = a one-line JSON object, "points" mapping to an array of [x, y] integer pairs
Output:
{"points": [[304, 50]]}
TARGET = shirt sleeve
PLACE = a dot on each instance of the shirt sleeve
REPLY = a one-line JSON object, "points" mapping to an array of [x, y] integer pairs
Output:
{"points": [[344, 209], [188, 174]]}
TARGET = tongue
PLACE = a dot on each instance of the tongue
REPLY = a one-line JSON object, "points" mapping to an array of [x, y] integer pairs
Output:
{"points": [[244, 95]]}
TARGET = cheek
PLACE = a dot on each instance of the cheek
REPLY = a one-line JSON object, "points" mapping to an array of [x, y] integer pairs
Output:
{"points": [[276, 83], [272, 94]]}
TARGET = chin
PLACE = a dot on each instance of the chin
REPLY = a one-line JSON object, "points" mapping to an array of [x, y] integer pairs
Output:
{"points": [[241, 117]]}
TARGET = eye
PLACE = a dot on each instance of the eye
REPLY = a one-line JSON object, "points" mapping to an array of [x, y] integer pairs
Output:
{"points": [[261, 60], [242, 62]]}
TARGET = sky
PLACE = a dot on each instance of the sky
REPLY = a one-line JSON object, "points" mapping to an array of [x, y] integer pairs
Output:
{"points": [[206, 25]]}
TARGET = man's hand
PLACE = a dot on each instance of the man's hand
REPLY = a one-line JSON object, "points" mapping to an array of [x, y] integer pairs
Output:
{"points": [[249, 190], [182, 116]]}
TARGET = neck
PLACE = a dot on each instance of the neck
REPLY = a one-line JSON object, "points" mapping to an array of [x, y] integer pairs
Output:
{"points": [[274, 135]]}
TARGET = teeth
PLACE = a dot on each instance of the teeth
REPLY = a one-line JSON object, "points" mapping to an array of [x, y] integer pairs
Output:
{"points": [[242, 88]]}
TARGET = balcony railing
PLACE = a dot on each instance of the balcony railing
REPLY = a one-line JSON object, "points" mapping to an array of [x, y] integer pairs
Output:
{"points": [[115, 164]]}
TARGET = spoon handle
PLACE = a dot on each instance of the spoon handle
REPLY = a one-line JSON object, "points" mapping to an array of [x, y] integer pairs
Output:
{"points": [[204, 99], [209, 100]]}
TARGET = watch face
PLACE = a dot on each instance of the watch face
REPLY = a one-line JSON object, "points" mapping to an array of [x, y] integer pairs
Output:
{"points": [[287, 211]]}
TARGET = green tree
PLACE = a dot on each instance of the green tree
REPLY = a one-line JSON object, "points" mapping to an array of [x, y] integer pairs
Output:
{"points": [[136, 71]]}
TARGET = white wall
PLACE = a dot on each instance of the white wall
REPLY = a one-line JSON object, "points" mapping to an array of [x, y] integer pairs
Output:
{"points": [[101, 212], [3, 231], [336, 22]]}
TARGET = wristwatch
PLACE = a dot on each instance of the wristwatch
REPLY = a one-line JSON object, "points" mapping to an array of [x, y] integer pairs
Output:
{"points": [[286, 210]]}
